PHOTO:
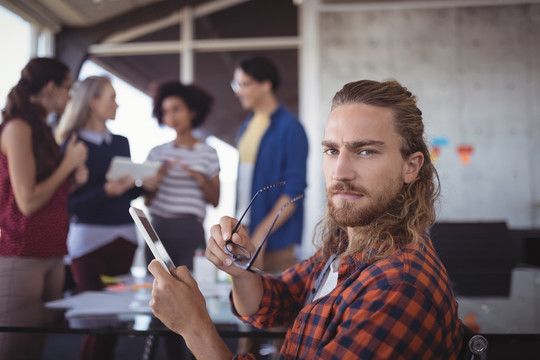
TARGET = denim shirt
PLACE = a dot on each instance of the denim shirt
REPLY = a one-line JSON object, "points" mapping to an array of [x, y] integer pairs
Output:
{"points": [[282, 155]]}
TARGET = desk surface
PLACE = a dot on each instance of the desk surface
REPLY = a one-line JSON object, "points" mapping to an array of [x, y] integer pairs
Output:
{"points": [[131, 325], [125, 311]]}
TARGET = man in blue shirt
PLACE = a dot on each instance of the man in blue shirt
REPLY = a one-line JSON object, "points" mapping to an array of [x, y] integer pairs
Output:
{"points": [[272, 147]]}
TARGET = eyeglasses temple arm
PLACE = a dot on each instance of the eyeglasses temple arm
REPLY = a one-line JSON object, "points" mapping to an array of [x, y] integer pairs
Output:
{"points": [[235, 229], [267, 235]]}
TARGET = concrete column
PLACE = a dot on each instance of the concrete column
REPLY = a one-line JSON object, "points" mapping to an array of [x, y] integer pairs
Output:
{"points": [[34, 37], [47, 43], [310, 117], [186, 56]]}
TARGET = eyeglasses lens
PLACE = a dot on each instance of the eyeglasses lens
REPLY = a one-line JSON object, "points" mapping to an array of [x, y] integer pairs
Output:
{"points": [[240, 255]]}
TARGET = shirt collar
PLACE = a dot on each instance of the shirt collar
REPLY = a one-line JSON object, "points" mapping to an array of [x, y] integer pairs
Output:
{"points": [[352, 263], [277, 113], [96, 138]]}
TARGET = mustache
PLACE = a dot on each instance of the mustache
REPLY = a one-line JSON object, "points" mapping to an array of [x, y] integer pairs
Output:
{"points": [[345, 186]]}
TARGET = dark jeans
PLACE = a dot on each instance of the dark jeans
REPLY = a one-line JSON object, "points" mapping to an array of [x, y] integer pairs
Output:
{"points": [[180, 236]]}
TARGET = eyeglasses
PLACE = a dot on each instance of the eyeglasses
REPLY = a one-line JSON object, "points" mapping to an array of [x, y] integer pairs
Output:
{"points": [[67, 87], [241, 257], [236, 86]]}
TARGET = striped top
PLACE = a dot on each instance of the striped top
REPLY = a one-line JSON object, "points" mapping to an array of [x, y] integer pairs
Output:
{"points": [[401, 307], [178, 193]]}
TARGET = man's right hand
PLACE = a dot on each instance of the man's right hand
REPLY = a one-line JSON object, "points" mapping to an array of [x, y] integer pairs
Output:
{"points": [[247, 287], [215, 250]]}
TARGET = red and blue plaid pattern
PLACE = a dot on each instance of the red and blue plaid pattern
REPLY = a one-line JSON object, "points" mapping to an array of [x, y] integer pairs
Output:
{"points": [[402, 307]]}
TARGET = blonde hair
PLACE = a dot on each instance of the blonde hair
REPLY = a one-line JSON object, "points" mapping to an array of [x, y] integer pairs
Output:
{"points": [[78, 110], [413, 211]]}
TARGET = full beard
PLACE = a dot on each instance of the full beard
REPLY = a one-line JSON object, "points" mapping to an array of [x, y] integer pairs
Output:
{"points": [[348, 214]]}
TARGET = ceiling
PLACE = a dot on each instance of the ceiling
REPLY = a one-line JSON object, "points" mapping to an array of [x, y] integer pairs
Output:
{"points": [[81, 24], [55, 14]]}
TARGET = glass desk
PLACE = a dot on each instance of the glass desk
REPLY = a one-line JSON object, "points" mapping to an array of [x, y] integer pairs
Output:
{"points": [[124, 311], [511, 324]]}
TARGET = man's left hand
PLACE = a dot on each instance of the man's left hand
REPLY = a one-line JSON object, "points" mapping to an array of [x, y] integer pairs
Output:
{"points": [[178, 302]]}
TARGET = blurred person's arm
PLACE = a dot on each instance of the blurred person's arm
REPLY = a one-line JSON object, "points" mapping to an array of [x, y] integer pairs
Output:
{"points": [[295, 142], [209, 186], [80, 177], [16, 144], [260, 231]]}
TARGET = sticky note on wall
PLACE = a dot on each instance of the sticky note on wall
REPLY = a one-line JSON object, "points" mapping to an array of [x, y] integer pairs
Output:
{"points": [[465, 152], [434, 153], [436, 146]]}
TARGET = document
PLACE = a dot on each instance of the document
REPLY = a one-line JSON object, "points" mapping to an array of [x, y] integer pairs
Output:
{"points": [[122, 165], [104, 303]]}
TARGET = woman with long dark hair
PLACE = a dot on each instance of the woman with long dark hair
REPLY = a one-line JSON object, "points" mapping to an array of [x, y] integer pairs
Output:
{"points": [[35, 181]]}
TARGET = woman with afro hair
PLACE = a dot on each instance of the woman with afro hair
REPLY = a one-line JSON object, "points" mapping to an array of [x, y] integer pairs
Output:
{"points": [[178, 206]]}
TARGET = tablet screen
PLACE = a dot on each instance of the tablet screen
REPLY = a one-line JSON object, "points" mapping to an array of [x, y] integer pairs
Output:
{"points": [[151, 238]]}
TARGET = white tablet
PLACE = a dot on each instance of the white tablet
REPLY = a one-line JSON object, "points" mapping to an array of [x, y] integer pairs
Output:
{"points": [[151, 238], [122, 165]]}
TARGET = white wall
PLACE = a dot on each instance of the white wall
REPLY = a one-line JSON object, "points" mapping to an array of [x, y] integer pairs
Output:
{"points": [[476, 72]]}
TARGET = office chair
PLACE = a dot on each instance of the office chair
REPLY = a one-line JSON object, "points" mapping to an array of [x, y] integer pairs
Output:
{"points": [[474, 345]]}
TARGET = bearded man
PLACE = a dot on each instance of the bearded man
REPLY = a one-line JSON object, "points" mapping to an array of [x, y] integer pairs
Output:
{"points": [[376, 288]]}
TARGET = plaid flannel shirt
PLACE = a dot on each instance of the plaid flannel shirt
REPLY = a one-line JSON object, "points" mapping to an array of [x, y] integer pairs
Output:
{"points": [[401, 307]]}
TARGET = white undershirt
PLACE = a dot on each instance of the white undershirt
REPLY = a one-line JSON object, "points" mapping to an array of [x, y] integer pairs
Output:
{"points": [[330, 279]]}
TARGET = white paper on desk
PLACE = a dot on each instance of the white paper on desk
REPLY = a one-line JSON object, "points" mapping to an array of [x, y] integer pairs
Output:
{"points": [[221, 290], [103, 303]]}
